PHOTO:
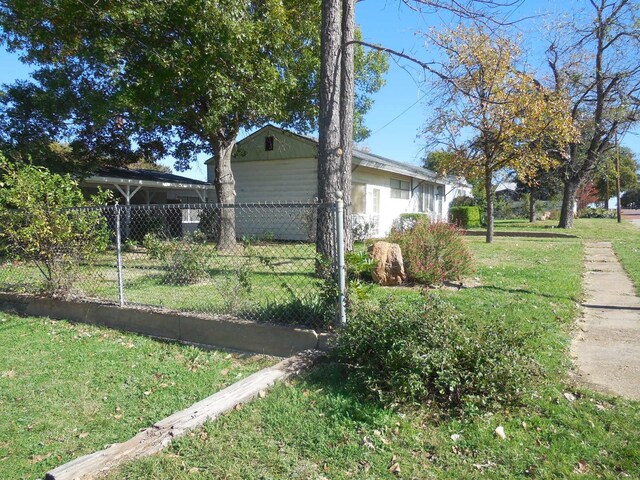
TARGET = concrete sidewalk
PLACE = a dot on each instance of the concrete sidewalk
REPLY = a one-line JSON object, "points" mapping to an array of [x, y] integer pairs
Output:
{"points": [[606, 347]]}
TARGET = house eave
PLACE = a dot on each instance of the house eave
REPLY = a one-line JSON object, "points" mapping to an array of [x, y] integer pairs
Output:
{"points": [[101, 180], [397, 169]]}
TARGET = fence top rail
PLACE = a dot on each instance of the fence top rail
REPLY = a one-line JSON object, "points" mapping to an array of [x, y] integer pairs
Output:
{"points": [[171, 206]]}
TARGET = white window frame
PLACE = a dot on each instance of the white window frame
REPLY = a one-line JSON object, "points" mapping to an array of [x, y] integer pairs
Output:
{"points": [[398, 189]]}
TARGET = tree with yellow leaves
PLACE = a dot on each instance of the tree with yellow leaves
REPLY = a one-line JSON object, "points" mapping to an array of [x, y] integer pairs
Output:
{"points": [[492, 113]]}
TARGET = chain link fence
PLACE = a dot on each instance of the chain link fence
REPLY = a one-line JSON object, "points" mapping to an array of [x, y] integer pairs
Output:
{"points": [[180, 257]]}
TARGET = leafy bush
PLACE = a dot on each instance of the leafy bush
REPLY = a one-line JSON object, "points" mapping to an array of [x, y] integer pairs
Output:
{"points": [[186, 260], [406, 221], [463, 201], [433, 252], [416, 350], [209, 222], [317, 309], [554, 215], [361, 228], [597, 213], [147, 222], [465, 217], [506, 209], [39, 223], [359, 265]]}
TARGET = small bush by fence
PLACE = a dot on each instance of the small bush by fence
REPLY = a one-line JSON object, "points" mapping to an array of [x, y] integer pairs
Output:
{"points": [[166, 256], [433, 252]]}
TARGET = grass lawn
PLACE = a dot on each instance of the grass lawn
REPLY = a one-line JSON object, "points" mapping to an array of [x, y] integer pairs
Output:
{"points": [[317, 427], [624, 237], [69, 389]]}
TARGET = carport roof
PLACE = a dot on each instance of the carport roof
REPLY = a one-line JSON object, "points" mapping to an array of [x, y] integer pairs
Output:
{"points": [[144, 178]]}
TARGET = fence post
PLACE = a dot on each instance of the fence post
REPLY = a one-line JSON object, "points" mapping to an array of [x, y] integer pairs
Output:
{"points": [[342, 310], [119, 258]]}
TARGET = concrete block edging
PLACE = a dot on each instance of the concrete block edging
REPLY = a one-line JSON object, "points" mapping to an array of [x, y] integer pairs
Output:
{"points": [[223, 332]]}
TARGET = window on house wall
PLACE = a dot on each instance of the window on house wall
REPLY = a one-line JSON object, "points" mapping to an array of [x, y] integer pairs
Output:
{"points": [[429, 197], [268, 143], [359, 197], [425, 197], [189, 214], [400, 188], [421, 197]]}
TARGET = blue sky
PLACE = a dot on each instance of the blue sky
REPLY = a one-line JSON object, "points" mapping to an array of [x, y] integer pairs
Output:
{"points": [[399, 111]]}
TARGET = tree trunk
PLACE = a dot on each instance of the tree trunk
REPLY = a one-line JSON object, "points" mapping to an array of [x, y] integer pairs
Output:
{"points": [[329, 154], [488, 189], [532, 205], [347, 94], [222, 146], [568, 202]]}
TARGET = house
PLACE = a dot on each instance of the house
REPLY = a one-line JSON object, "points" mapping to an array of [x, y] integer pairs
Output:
{"points": [[275, 165]]}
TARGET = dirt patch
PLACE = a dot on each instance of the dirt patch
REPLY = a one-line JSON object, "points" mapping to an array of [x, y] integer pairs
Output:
{"points": [[466, 283], [606, 346]]}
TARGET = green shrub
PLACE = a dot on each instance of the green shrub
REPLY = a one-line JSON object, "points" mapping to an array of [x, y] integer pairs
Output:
{"points": [[416, 350], [465, 217], [143, 222], [185, 260], [433, 252], [361, 228], [597, 213], [462, 201], [39, 222], [209, 222], [406, 221], [359, 265], [554, 215]]}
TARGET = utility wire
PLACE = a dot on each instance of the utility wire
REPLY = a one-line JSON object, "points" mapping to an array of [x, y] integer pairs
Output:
{"points": [[398, 116]]}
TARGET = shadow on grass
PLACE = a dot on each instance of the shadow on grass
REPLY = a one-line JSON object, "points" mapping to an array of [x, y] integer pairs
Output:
{"points": [[350, 399], [523, 291]]}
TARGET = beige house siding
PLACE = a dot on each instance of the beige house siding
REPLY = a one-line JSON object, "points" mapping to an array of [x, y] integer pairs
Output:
{"points": [[276, 180]]}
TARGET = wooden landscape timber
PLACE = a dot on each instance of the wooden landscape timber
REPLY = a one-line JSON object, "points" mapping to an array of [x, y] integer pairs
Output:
{"points": [[160, 435]]}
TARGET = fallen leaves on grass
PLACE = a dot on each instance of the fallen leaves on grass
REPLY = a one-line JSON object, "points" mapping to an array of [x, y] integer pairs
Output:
{"points": [[367, 443], [39, 458], [395, 466], [582, 467], [484, 466]]}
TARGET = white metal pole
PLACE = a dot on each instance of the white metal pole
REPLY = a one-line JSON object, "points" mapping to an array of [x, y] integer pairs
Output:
{"points": [[342, 309], [119, 258]]}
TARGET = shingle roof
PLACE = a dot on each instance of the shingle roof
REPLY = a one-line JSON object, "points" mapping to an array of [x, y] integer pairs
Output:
{"points": [[146, 175]]}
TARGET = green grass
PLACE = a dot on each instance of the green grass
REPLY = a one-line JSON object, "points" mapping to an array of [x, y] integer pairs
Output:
{"points": [[317, 427], [625, 237], [67, 390]]}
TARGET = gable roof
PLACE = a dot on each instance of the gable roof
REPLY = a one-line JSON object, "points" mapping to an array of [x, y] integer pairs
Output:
{"points": [[366, 159]]}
